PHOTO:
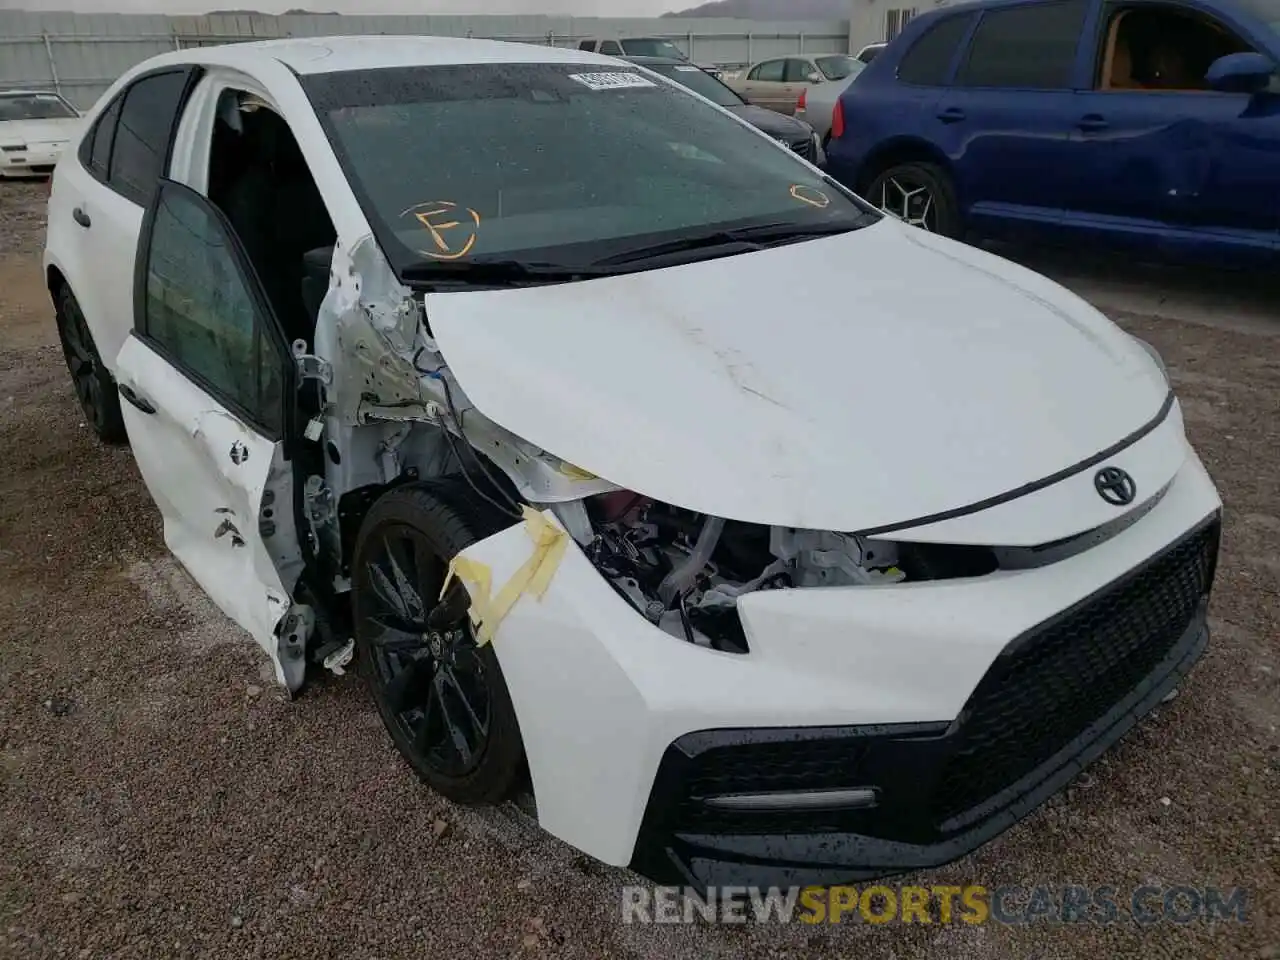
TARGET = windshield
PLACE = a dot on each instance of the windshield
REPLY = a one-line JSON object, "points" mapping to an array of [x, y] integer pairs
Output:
{"points": [[652, 47], [555, 164], [699, 81], [34, 106], [838, 68]]}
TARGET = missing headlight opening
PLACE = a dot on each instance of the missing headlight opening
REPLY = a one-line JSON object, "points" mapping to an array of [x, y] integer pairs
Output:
{"points": [[685, 571]]}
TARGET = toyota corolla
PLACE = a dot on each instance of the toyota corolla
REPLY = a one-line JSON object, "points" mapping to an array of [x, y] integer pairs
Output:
{"points": [[478, 363]]}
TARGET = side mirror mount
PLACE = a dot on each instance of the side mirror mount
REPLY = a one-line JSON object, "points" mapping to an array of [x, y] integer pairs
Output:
{"points": [[1241, 73], [814, 77]]}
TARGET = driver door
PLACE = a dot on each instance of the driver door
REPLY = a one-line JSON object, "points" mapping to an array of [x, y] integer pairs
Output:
{"points": [[207, 379]]}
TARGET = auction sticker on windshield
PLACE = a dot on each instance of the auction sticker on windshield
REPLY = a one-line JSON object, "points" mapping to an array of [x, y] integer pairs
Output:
{"points": [[612, 81]]}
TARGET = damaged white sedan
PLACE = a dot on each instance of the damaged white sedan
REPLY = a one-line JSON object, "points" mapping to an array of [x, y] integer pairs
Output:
{"points": [[482, 361]]}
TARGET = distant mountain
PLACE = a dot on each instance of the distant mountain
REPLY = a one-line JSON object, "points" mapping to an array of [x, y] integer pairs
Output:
{"points": [[770, 9]]}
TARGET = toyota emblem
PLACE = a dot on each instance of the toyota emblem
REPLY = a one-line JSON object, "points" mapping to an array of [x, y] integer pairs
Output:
{"points": [[1115, 486]]}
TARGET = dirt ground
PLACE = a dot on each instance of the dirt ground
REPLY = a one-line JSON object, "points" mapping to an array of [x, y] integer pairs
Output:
{"points": [[159, 799]]}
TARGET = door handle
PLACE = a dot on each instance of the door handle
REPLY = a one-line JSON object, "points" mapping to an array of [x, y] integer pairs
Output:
{"points": [[81, 217], [239, 453], [1092, 122], [951, 115], [142, 403]]}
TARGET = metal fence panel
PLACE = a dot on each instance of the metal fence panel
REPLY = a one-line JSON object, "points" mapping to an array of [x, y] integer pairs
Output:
{"points": [[81, 55]]}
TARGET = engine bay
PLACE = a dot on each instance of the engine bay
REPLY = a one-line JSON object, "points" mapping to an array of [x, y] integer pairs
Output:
{"points": [[684, 571]]}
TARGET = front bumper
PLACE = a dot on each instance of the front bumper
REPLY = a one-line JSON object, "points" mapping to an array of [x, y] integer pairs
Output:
{"points": [[35, 161], [628, 729], [1055, 700]]}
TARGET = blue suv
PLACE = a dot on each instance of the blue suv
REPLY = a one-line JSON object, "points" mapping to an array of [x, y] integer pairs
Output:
{"points": [[1153, 125]]}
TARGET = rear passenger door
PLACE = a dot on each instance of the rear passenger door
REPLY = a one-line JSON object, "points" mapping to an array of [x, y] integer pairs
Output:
{"points": [[795, 79], [115, 177], [764, 83], [1007, 116]]}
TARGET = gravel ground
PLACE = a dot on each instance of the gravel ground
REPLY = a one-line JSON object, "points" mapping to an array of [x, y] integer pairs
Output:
{"points": [[159, 798]]}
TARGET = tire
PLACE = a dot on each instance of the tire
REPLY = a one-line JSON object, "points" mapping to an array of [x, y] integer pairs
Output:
{"points": [[428, 696], [921, 194], [94, 386]]}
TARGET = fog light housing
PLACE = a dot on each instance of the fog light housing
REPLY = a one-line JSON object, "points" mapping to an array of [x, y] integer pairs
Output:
{"points": [[858, 798]]}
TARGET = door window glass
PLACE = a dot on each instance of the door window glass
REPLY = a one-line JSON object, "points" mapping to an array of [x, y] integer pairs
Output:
{"points": [[201, 310], [770, 72], [142, 135], [1162, 48], [611, 48], [1028, 47], [96, 150], [797, 71], [928, 62]]}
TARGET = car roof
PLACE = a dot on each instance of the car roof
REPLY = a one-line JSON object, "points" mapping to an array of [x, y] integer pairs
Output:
{"points": [[656, 61], [337, 54]]}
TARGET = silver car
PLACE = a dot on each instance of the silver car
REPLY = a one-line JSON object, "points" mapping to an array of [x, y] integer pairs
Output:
{"points": [[817, 102]]}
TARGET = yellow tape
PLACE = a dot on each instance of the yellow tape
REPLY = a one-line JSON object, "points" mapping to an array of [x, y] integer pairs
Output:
{"points": [[533, 577]]}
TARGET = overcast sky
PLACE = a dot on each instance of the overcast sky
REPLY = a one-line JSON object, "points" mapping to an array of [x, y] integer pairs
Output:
{"points": [[586, 8]]}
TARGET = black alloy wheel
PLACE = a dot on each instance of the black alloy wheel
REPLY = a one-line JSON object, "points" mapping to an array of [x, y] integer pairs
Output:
{"points": [[442, 698]]}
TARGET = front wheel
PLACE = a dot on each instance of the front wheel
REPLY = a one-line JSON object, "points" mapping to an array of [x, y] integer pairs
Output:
{"points": [[920, 194], [443, 699], [95, 387]]}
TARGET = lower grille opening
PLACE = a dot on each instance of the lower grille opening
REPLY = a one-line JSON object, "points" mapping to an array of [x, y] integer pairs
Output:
{"points": [[789, 764], [1049, 687]]}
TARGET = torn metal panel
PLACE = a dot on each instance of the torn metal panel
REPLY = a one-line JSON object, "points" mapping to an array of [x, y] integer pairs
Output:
{"points": [[372, 333]]}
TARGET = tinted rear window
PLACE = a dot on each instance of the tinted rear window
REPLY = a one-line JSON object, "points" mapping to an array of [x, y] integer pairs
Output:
{"points": [[1032, 47], [96, 152], [928, 62], [142, 136]]}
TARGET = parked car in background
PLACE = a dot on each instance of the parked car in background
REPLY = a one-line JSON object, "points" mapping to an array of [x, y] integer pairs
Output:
{"points": [[817, 104], [795, 133], [1152, 126], [777, 83], [35, 125], [869, 52], [642, 47]]}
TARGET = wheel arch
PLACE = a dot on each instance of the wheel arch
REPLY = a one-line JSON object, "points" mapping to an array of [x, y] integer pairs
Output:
{"points": [[896, 151], [54, 278], [448, 510]]}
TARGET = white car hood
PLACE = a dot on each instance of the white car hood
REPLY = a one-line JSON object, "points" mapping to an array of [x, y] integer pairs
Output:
{"points": [[34, 132], [844, 383]]}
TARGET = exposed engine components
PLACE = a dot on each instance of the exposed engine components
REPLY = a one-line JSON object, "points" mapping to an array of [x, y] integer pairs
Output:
{"points": [[685, 571]]}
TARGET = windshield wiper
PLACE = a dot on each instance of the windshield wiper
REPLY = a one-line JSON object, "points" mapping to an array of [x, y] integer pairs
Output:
{"points": [[498, 273], [747, 238]]}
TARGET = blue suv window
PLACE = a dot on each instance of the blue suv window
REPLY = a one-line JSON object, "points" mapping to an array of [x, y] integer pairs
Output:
{"points": [[928, 62], [1028, 47]]}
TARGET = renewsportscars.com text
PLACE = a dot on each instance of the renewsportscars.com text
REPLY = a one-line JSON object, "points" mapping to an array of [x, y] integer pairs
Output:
{"points": [[973, 904]]}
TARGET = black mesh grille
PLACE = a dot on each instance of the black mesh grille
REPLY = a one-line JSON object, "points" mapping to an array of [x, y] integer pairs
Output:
{"points": [[1069, 673]]}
